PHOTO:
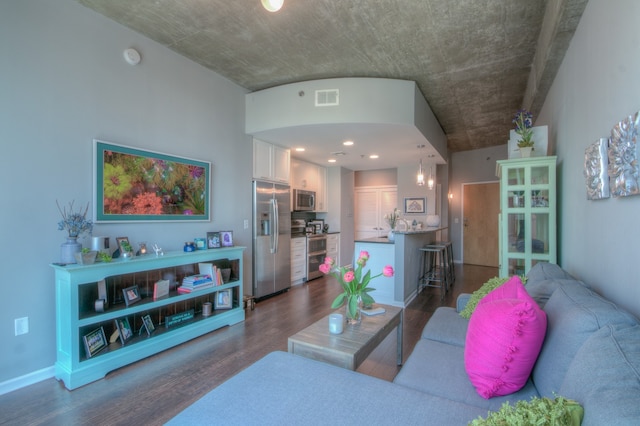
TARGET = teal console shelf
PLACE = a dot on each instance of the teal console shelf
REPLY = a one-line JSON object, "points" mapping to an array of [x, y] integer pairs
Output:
{"points": [[80, 313]]}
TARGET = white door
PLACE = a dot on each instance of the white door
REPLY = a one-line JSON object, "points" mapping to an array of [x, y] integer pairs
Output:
{"points": [[371, 204]]}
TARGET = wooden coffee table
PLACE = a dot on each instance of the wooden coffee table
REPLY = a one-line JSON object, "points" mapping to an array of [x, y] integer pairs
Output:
{"points": [[353, 346]]}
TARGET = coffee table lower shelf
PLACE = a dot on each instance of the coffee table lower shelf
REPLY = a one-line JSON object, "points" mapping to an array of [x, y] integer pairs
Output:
{"points": [[349, 349]]}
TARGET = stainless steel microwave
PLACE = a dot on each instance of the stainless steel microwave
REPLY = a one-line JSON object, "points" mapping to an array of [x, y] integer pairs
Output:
{"points": [[304, 200]]}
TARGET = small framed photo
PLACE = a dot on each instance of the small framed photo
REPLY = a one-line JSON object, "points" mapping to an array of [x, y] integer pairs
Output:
{"points": [[223, 300], [147, 325], [201, 243], [213, 240], [124, 330], [131, 295], [415, 205], [226, 238], [123, 244], [94, 342]]}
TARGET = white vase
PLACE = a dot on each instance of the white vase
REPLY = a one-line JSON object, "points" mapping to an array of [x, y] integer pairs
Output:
{"points": [[525, 151], [391, 236], [69, 249], [433, 220]]}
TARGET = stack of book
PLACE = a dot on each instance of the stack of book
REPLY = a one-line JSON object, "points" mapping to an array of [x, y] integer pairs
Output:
{"points": [[195, 282], [213, 271]]}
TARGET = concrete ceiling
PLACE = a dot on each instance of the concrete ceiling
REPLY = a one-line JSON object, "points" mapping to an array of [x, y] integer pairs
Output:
{"points": [[475, 61]]}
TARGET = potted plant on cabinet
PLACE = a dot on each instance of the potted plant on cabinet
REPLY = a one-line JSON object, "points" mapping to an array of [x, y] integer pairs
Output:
{"points": [[523, 121]]}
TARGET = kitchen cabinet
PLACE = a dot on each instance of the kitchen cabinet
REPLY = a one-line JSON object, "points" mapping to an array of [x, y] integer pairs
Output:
{"points": [[310, 177], [371, 204], [527, 223], [333, 247], [271, 162], [298, 260]]}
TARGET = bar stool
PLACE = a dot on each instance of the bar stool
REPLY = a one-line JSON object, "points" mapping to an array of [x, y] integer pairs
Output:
{"points": [[451, 270], [433, 268]]}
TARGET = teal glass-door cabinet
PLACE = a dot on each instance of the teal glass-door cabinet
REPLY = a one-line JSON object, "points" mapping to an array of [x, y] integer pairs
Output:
{"points": [[107, 315], [527, 225]]}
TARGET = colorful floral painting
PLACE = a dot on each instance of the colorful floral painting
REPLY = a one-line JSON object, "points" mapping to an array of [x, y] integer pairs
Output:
{"points": [[138, 185]]}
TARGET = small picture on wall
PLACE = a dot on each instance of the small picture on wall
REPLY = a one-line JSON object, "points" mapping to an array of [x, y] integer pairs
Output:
{"points": [[226, 238], [415, 205], [213, 240]]}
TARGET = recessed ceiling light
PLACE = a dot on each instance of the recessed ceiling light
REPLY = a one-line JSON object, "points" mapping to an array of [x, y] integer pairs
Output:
{"points": [[332, 160], [300, 149], [373, 156], [347, 143]]}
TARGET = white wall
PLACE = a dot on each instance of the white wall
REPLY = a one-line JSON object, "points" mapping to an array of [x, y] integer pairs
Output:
{"points": [[597, 86], [64, 82]]}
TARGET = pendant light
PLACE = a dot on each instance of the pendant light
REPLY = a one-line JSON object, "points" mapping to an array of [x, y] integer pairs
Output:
{"points": [[420, 177], [272, 5], [431, 181]]}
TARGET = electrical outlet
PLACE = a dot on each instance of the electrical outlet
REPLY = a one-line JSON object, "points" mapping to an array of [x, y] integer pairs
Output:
{"points": [[246, 224], [22, 325]]}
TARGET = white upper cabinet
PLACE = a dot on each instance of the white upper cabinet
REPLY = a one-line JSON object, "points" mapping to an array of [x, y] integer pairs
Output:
{"points": [[270, 162], [310, 177]]}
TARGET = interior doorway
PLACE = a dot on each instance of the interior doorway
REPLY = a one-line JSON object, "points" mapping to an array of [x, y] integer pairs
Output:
{"points": [[480, 210]]}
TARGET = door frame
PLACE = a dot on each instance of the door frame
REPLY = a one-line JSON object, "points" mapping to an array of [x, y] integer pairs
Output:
{"points": [[462, 213]]}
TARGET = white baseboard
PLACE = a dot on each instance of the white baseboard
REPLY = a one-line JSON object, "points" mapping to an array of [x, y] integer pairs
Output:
{"points": [[26, 380]]}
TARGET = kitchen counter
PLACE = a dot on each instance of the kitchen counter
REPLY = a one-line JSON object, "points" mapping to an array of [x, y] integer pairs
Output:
{"points": [[405, 257]]}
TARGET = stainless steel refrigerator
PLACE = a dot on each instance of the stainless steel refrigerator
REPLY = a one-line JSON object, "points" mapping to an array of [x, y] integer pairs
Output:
{"points": [[271, 238]]}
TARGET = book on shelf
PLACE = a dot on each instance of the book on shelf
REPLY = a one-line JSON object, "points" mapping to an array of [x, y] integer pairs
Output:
{"points": [[184, 289], [197, 279], [213, 271], [161, 289]]}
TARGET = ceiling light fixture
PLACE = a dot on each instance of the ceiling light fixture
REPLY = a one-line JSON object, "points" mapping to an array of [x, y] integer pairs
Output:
{"points": [[300, 149], [347, 143], [272, 5], [420, 178], [432, 180], [332, 160], [374, 156]]}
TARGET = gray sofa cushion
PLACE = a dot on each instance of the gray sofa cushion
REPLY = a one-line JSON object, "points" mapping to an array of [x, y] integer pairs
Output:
{"points": [[446, 326], [574, 313], [541, 290], [546, 271], [437, 368], [282, 388], [604, 377]]}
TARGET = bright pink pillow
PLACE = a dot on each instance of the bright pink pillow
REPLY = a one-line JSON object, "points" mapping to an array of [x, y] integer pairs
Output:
{"points": [[503, 340]]}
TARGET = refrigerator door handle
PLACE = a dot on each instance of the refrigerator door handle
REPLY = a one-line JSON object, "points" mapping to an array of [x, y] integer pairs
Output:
{"points": [[274, 227], [276, 221]]}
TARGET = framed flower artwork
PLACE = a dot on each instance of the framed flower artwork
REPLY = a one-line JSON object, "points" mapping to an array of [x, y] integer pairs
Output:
{"points": [[134, 185]]}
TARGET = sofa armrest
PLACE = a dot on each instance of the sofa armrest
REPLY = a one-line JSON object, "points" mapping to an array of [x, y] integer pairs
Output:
{"points": [[462, 301]]}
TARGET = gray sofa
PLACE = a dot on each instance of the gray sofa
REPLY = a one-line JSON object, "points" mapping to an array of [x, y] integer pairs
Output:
{"points": [[591, 354]]}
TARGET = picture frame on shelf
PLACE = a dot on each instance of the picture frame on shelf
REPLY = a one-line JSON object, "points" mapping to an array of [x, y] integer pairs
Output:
{"points": [[141, 176], [201, 243], [125, 333], [415, 205], [131, 295], [147, 325], [213, 240], [226, 238], [223, 299], [94, 342], [123, 245]]}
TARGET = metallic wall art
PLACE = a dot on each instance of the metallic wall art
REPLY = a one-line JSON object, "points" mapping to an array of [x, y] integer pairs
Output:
{"points": [[624, 173], [596, 170]]}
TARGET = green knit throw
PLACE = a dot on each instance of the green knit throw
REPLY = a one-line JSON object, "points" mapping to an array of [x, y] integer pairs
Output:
{"points": [[477, 295], [539, 411]]}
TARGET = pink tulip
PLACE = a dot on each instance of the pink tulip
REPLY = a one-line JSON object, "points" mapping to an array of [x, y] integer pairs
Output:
{"points": [[328, 260], [364, 255], [387, 271], [324, 268], [348, 276]]}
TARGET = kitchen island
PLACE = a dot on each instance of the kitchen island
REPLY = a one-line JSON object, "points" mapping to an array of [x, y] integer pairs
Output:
{"points": [[404, 256]]}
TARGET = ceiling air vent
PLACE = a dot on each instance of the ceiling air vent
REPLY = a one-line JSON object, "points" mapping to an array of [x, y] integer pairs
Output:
{"points": [[330, 97]]}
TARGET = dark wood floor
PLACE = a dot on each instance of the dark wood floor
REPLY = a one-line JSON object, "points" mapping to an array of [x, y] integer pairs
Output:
{"points": [[155, 389]]}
